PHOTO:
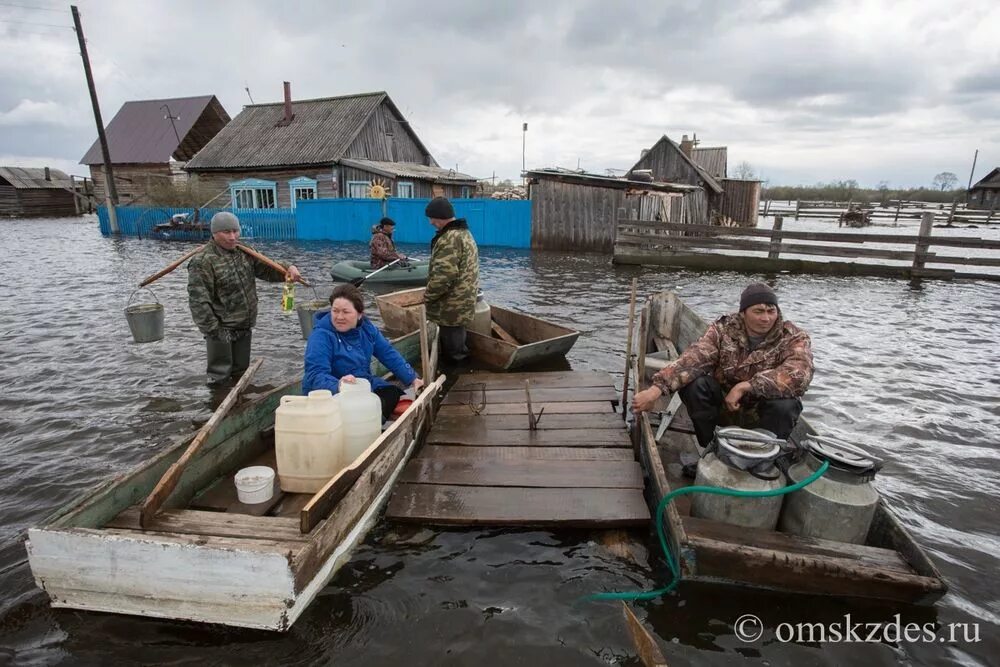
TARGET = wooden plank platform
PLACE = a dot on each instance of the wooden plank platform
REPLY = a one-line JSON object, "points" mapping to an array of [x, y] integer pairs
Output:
{"points": [[482, 464]]}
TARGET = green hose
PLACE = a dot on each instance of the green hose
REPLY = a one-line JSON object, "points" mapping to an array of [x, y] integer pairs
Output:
{"points": [[674, 565]]}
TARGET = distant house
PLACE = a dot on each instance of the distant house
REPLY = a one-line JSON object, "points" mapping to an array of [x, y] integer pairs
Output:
{"points": [[572, 210], [150, 140], [730, 201], [30, 192], [985, 194], [273, 155]]}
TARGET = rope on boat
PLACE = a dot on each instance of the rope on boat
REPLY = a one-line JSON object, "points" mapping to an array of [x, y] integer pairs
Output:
{"points": [[672, 562]]}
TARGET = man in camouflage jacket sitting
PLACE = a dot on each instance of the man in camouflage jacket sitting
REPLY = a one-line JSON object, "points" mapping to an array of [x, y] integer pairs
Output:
{"points": [[452, 279], [383, 250], [222, 295], [753, 359]]}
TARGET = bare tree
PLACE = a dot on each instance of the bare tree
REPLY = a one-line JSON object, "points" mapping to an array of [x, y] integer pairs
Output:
{"points": [[945, 181], [744, 170]]}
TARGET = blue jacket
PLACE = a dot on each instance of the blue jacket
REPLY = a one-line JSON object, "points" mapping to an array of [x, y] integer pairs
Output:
{"points": [[330, 355]]}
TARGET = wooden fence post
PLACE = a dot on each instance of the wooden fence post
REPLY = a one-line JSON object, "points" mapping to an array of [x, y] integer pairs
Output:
{"points": [[951, 214], [923, 243], [775, 249], [899, 203], [797, 202]]}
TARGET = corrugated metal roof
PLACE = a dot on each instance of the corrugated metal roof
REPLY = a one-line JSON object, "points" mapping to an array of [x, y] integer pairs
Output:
{"points": [[321, 132], [585, 178], [712, 160], [140, 133], [410, 170], [33, 178]]}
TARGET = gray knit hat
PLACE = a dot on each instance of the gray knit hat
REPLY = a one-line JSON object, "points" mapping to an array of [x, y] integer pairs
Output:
{"points": [[757, 293], [224, 221], [440, 208]]}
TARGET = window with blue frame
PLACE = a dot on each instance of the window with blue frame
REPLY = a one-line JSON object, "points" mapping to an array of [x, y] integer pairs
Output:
{"points": [[253, 193], [465, 192], [302, 188], [357, 189], [404, 190]]}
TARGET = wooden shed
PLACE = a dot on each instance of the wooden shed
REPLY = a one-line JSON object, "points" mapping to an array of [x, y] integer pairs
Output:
{"points": [[272, 155], [36, 192], [985, 194], [149, 141], [579, 211]]}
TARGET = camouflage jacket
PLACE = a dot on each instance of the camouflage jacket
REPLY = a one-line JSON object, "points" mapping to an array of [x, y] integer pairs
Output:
{"points": [[222, 291], [453, 276], [780, 367], [383, 249]]}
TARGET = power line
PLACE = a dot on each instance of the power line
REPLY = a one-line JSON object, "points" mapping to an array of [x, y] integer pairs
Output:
{"points": [[37, 8]]}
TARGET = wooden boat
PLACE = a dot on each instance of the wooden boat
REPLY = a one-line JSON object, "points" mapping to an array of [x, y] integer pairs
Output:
{"points": [[516, 339], [890, 565], [414, 273], [208, 557]]}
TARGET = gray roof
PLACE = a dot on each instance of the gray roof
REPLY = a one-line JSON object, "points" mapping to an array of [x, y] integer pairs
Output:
{"points": [[712, 160], [141, 133], [584, 178], [33, 178], [705, 176], [989, 181], [410, 170], [320, 134]]}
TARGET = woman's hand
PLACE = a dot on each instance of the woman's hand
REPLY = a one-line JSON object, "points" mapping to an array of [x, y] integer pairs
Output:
{"points": [[417, 385], [645, 399], [349, 379]]}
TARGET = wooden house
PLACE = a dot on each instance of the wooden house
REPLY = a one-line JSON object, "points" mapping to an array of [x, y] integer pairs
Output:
{"points": [[150, 140], [272, 155], [579, 211], [36, 192], [985, 194], [731, 202]]}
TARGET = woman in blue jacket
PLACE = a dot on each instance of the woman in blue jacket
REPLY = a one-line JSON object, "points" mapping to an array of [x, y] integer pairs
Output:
{"points": [[341, 346]]}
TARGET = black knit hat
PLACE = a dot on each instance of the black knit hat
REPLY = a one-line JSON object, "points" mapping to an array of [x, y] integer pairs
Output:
{"points": [[386, 221], [757, 293], [440, 208]]}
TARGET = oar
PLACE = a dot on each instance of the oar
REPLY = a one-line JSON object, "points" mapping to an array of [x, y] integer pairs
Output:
{"points": [[160, 274], [270, 262], [168, 482], [357, 282]]}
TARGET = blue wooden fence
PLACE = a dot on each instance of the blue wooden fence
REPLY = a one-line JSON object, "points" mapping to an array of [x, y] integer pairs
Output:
{"points": [[493, 222]]}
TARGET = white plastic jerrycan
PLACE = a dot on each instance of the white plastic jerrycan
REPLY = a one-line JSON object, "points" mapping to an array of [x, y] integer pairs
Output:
{"points": [[362, 414], [308, 441]]}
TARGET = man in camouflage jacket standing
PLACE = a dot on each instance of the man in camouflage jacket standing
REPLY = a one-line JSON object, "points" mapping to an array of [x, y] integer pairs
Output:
{"points": [[753, 359], [453, 277], [383, 250], [222, 295]]}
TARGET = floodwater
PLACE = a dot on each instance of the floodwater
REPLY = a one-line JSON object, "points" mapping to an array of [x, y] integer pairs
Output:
{"points": [[914, 375]]}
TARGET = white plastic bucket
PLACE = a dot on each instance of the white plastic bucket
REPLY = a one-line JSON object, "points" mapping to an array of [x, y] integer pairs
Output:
{"points": [[255, 484]]}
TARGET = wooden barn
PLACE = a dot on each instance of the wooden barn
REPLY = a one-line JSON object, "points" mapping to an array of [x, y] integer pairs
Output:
{"points": [[272, 155], [149, 142], [36, 192], [731, 202], [579, 211], [985, 194]]}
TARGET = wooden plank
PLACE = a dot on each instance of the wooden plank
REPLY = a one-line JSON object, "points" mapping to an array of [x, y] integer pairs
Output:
{"points": [[550, 474], [221, 524], [482, 506], [649, 651], [601, 420], [783, 542], [561, 438], [543, 395], [403, 428], [471, 381], [462, 408], [461, 452], [221, 496], [502, 334]]}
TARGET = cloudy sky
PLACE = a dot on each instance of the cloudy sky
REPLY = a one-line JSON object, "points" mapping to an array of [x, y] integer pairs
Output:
{"points": [[803, 90]]}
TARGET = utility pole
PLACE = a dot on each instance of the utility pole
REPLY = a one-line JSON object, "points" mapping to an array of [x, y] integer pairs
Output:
{"points": [[524, 135], [972, 173], [172, 118], [109, 177]]}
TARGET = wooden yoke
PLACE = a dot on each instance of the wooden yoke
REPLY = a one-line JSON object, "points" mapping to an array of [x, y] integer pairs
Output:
{"points": [[270, 262], [168, 482], [160, 274]]}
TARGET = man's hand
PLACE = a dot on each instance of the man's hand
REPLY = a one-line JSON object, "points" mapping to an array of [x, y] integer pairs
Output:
{"points": [[736, 395], [293, 274], [645, 399]]}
